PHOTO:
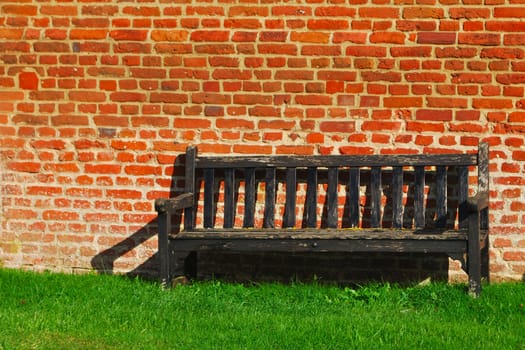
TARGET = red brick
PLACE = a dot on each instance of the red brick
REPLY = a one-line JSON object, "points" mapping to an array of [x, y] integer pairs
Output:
{"points": [[315, 100], [366, 51], [327, 24], [127, 97], [252, 149], [336, 75], [358, 150], [310, 37], [425, 127], [426, 77], [28, 80], [513, 78], [129, 34], [469, 13], [213, 35], [124, 194], [518, 156], [234, 123], [450, 52], [479, 39], [59, 10], [505, 26], [509, 12], [381, 126], [466, 128], [337, 126], [276, 124], [142, 170], [423, 12], [248, 11], [48, 144], [402, 102], [444, 102], [336, 11], [87, 96], [434, 115], [103, 168], [378, 12], [492, 103], [422, 51], [437, 38], [60, 215], [301, 150], [387, 37], [21, 10], [516, 117], [352, 37], [514, 256], [291, 10]]}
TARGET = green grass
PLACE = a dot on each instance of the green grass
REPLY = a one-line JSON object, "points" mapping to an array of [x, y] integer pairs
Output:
{"points": [[54, 311]]}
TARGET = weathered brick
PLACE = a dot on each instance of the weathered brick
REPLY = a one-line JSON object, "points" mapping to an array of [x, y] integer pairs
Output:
{"points": [[129, 34], [509, 12], [327, 24], [437, 38], [378, 12], [485, 39]]}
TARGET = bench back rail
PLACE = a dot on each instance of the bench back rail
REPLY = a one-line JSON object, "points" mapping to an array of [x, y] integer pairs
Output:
{"points": [[339, 181]]}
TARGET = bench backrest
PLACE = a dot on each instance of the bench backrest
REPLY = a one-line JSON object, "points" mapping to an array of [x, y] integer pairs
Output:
{"points": [[412, 191]]}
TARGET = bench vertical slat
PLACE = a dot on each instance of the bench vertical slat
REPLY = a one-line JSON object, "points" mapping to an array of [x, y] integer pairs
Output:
{"points": [[441, 196], [419, 197], [311, 198], [249, 197], [397, 197], [462, 196], [331, 198], [375, 196], [353, 196], [291, 197], [189, 186], [269, 201], [209, 202], [229, 197]]}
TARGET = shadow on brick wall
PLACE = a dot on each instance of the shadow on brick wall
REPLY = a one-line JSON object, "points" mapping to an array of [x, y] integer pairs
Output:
{"points": [[282, 267], [104, 262]]}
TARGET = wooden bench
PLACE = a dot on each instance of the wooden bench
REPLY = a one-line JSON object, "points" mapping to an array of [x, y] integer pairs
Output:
{"points": [[329, 203]]}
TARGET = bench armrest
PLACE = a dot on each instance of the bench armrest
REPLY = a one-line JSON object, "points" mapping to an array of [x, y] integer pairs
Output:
{"points": [[478, 202], [170, 205]]}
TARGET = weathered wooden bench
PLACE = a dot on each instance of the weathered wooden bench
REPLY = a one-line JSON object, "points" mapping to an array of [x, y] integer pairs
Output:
{"points": [[332, 203]]}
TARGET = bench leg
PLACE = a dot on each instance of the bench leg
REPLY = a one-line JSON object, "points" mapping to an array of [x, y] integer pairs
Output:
{"points": [[164, 251], [474, 255], [485, 272], [184, 267], [190, 265]]}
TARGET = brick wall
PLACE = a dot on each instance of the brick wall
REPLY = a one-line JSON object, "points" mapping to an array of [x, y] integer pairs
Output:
{"points": [[98, 98]]}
